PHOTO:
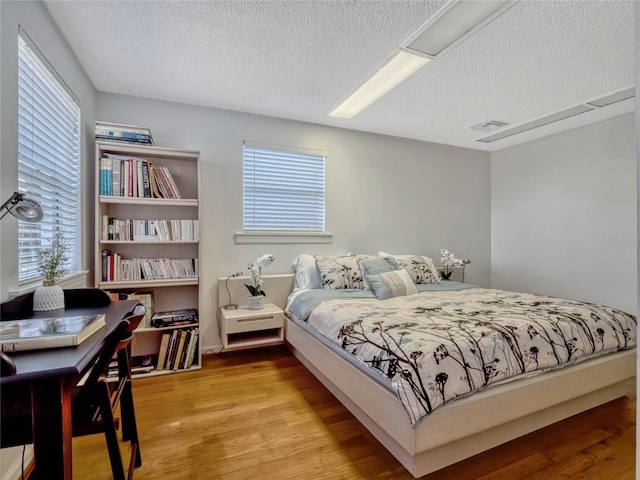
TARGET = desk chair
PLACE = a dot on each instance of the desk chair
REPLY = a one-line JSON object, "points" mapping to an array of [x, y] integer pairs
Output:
{"points": [[111, 395], [122, 391], [93, 403]]}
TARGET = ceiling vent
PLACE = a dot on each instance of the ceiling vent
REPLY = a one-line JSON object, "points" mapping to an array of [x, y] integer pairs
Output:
{"points": [[489, 126]]}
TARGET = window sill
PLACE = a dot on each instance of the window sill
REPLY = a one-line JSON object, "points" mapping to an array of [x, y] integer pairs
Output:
{"points": [[283, 237], [72, 280]]}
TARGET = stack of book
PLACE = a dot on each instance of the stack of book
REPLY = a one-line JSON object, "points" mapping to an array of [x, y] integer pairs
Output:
{"points": [[131, 230], [117, 269], [139, 365], [178, 349], [125, 176], [118, 132]]}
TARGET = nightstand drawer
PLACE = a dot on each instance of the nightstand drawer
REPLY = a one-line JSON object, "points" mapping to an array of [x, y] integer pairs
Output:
{"points": [[254, 323]]}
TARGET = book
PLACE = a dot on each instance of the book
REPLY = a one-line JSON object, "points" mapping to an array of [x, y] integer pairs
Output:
{"points": [[50, 332], [182, 336], [174, 317], [171, 349], [162, 353], [193, 342]]}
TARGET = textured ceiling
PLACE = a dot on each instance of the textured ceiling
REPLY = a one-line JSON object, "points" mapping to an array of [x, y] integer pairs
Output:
{"points": [[298, 59]]}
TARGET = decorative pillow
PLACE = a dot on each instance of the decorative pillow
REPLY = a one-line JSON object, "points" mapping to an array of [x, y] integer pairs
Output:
{"points": [[340, 273], [306, 274], [376, 265], [419, 270], [432, 267], [392, 284]]}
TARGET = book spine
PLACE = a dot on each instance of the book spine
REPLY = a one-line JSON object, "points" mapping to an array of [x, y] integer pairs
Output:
{"points": [[105, 264], [162, 353], [193, 348], [171, 353], [140, 179], [145, 180], [180, 349]]}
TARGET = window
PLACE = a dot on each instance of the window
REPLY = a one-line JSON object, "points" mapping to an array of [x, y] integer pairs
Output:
{"points": [[48, 159], [283, 190]]}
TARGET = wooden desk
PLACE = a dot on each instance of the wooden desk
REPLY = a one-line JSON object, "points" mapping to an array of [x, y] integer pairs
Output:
{"points": [[41, 388]]}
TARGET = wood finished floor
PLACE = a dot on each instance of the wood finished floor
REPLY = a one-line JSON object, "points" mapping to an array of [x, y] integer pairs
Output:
{"points": [[261, 415]]}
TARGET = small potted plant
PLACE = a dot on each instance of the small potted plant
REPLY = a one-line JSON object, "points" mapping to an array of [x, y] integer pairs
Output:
{"points": [[256, 300], [52, 259], [449, 262]]}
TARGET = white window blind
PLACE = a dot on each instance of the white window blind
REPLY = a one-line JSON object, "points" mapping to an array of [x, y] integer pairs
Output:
{"points": [[48, 160], [283, 191]]}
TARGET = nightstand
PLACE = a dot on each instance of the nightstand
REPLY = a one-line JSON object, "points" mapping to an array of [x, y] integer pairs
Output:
{"points": [[243, 328]]}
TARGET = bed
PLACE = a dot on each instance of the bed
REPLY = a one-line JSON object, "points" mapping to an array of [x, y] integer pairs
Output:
{"points": [[373, 328]]}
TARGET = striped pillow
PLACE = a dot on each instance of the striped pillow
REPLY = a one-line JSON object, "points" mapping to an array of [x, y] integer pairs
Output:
{"points": [[392, 284]]}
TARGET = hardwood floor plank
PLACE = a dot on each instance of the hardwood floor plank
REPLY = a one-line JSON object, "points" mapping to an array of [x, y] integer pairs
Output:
{"points": [[261, 414]]}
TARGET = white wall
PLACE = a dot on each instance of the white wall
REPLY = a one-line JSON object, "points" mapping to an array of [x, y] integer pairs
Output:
{"points": [[383, 193], [35, 21], [563, 215]]}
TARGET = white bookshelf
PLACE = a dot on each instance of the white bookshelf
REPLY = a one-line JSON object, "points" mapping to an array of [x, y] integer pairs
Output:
{"points": [[168, 293]]}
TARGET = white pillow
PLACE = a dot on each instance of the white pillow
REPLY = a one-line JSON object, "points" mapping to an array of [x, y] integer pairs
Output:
{"points": [[432, 267], [306, 273]]}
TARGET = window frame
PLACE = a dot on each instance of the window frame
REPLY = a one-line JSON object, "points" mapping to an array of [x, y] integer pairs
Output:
{"points": [[282, 235], [55, 179]]}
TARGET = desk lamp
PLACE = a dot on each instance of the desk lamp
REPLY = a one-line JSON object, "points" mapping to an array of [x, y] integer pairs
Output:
{"points": [[28, 211], [22, 208]]}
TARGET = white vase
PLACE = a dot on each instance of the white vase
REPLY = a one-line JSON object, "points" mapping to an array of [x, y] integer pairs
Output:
{"points": [[255, 303], [48, 297]]}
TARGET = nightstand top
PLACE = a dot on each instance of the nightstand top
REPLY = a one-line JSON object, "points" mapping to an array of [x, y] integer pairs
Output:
{"points": [[243, 311]]}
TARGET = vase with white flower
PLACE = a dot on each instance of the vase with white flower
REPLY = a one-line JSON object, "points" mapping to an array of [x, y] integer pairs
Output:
{"points": [[449, 262], [256, 300], [51, 259]]}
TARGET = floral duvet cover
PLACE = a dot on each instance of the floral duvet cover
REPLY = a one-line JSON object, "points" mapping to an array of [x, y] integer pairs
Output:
{"points": [[434, 347]]}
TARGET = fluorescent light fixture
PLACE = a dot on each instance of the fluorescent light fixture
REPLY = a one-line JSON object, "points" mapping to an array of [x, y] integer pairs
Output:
{"points": [[614, 98], [398, 69], [456, 20]]}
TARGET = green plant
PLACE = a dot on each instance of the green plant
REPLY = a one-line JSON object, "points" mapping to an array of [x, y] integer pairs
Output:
{"points": [[52, 259]]}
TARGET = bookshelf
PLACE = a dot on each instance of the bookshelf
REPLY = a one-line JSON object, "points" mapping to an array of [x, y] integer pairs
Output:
{"points": [[146, 244]]}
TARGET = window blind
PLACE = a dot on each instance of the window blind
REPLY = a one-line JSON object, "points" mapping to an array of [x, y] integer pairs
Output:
{"points": [[283, 191], [48, 160]]}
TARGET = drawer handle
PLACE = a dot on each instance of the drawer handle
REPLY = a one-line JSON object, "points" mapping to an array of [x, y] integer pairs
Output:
{"points": [[268, 317]]}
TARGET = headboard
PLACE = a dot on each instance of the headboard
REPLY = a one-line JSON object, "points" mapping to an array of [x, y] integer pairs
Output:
{"points": [[277, 288]]}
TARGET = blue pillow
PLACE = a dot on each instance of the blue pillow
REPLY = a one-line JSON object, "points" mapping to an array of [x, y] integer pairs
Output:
{"points": [[374, 266], [392, 284]]}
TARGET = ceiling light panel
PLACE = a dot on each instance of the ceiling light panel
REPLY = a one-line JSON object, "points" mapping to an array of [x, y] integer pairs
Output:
{"points": [[394, 72], [614, 98], [456, 20]]}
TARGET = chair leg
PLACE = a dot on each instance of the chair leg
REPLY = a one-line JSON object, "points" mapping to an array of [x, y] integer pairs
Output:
{"points": [[127, 409], [129, 426], [111, 436]]}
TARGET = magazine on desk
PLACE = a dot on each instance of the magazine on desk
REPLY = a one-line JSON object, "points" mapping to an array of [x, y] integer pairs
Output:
{"points": [[51, 332]]}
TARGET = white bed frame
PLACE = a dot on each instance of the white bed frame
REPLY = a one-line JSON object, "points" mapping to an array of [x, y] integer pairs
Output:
{"points": [[467, 426]]}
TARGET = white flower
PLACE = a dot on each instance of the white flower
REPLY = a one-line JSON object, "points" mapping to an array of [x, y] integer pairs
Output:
{"points": [[256, 274], [448, 259]]}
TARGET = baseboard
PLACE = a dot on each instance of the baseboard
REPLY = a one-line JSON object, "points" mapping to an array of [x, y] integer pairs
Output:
{"points": [[14, 457]]}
